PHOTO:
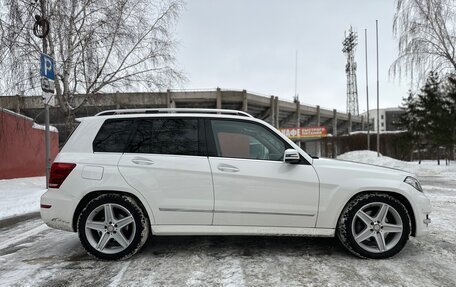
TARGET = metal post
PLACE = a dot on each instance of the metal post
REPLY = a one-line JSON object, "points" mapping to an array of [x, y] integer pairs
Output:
{"points": [[47, 140], [318, 123], [298, 119], [367, 92], [378, 97], [335, 133], [296, 97], [47, 143]]}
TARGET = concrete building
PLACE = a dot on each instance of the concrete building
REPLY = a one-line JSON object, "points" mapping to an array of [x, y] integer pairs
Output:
{"points": [[389, 118], [278, 112]]}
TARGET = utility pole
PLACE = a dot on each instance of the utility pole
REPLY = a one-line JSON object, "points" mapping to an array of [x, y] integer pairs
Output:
{"points": [[367, 91], [378, 96], [296, 97]]}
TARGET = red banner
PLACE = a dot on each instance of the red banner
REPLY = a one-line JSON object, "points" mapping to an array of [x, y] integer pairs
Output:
{"points": [[307, 132]]}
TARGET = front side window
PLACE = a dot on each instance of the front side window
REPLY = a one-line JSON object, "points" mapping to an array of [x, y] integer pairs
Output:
{"points": [[238, 139], [166, 136], [113, 136]]}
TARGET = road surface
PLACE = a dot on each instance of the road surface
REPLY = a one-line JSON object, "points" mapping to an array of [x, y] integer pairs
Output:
{"points": [[31, 254]]}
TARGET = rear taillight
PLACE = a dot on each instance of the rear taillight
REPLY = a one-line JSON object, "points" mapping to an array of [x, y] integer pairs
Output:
{"points": [[59, 172]]}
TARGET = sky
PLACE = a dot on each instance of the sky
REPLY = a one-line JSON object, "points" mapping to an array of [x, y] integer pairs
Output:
{"points": [[252, 44]]}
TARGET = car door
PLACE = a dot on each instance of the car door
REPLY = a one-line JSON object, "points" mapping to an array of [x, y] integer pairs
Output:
{"points": [[167, 162], [252, 184]]}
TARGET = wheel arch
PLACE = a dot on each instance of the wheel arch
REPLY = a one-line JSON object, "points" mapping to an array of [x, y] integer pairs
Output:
{"points": [[93, 194], [397, 196]]}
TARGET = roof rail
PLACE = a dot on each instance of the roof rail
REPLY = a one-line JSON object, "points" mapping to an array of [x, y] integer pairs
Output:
{"points": [[173, 110]]}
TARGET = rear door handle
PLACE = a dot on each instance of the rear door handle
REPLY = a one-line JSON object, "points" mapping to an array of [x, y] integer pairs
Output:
{"points": [[227, 167], [142, 161]]}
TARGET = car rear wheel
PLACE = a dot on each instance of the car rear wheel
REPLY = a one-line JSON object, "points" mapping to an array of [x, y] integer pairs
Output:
{"points": [[113, 227], [374, 225]]}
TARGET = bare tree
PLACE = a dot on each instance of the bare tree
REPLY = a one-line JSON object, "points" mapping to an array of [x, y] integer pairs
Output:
{"points": [[98, 45], [426, 32]]}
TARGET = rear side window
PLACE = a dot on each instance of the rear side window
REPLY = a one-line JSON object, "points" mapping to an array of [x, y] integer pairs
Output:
{"points": [[113, 136], [166, 136]]}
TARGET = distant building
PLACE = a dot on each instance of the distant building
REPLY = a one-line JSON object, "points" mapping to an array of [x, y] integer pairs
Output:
{"points": [[389, 118]]}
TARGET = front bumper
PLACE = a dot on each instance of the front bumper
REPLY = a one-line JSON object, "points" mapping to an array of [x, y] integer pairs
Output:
{"points": [[57, 209], [421, 208]]}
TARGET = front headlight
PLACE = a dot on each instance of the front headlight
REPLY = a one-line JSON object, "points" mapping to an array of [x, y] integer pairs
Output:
{"points": [[413, 182]]}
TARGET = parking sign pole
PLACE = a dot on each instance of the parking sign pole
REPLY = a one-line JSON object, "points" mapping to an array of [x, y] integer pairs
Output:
{"points": [[47, 84], [47, 141]]}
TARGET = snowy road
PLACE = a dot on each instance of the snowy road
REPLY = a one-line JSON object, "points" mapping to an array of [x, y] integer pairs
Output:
{"points": [[32, 254]]}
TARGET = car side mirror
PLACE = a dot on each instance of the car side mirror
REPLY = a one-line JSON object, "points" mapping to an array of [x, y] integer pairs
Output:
{"points": [[291, 156]]}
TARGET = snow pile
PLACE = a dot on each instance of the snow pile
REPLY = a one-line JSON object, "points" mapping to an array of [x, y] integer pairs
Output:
{"points": [[34, 125], [41, 127], [21, 195], [426, 168]]}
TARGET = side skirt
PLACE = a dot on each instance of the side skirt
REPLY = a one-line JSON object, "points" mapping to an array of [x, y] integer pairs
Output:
{"points": [[239, 230]]}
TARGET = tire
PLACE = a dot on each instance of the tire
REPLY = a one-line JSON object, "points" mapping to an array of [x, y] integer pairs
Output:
{"points": [[374, 225], [113, 227]]}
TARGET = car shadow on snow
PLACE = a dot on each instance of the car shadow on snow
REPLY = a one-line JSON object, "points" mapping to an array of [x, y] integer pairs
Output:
{"points": [[214, 246], [222, 246], [219, 247]]}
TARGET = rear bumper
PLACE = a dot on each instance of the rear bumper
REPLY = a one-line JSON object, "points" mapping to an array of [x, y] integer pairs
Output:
{"points": [[58, 209]]}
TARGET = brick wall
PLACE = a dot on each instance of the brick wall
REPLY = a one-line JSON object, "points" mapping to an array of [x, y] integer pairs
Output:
{"points": [[22, 149]]}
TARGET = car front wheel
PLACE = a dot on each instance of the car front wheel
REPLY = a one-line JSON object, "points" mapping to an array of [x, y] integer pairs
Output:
{"points": [[374, 225], [113, 227]]}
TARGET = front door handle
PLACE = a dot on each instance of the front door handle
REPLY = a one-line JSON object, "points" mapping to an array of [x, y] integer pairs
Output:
{"points": [[227, 167], [142, 161]]}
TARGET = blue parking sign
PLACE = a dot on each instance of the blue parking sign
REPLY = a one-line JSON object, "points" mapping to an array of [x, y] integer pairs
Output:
{"points": [[47, 67]]}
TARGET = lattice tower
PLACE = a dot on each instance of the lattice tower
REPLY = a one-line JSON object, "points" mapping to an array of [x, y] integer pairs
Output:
{"points": [[349, 46]]}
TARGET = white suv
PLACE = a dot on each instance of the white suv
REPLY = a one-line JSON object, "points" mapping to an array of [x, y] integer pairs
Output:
{"points": [[126, 174]]}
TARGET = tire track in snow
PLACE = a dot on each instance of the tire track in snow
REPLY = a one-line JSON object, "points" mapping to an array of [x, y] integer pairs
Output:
{"points": [[118, 278], [23, 236], [10, 221]]}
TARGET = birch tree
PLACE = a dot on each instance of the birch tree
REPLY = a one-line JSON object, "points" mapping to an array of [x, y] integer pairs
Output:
{"points": [[426, 33], [99, 46]]}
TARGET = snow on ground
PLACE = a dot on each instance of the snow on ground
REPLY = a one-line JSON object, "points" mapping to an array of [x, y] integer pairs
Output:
{"points": [[21, 195], [426, 168]]}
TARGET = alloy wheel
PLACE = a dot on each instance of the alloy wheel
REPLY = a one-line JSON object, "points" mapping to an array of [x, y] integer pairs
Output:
{"points": [[110, 228], [377, 227]]}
